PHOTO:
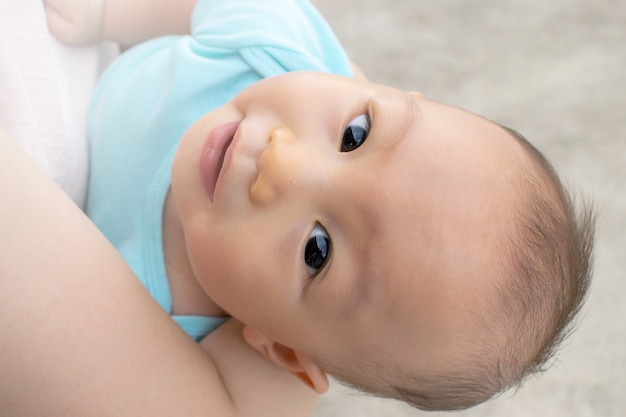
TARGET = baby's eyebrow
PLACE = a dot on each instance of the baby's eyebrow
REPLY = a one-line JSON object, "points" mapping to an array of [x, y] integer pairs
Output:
{"points": [[362, 278], [410, 112], [357, 297], [398, 118], [412, 109]]}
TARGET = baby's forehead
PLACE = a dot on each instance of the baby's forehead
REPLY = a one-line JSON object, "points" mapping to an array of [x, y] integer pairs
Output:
{"points": [[449, 249], [445, 206]]}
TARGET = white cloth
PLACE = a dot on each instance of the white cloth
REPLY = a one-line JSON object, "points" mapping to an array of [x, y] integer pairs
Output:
{"points": [[44, 92]]}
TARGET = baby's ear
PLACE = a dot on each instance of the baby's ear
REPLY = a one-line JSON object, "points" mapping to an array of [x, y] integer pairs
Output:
{"points": [[299, 364], [417, 94]]}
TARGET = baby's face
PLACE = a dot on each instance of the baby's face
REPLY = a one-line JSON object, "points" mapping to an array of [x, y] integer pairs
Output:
{"points": [[346, 218]]}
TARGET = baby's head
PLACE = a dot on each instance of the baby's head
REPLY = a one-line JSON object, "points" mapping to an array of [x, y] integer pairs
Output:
{"points": [[498, 301], [408, 248]]}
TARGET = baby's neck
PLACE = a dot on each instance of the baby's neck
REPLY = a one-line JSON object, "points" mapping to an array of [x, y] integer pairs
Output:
{"points": [[188, 297]]}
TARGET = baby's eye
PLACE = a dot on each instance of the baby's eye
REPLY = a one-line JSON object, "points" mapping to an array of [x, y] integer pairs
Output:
{"points": [[317, 250], [356, 133]]}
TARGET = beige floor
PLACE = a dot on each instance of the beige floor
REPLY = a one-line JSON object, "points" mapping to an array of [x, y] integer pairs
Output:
{"points": [[556, 71]]}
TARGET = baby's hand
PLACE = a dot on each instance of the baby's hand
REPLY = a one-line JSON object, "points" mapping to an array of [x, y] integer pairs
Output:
{"points": [[75, 22]]}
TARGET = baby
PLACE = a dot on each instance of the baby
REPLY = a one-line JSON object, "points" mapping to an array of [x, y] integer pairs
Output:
{"points": [[410, 249]]}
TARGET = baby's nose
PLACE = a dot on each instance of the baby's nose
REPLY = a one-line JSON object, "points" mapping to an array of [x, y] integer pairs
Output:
{"points": [[278, 168]]}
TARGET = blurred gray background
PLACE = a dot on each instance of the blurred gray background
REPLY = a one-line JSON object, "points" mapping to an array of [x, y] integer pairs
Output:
{"points": [[556, 71]]}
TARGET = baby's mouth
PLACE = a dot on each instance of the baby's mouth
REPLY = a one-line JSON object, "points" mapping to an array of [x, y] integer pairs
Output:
{"points": [[213, 155], [220, 162]]}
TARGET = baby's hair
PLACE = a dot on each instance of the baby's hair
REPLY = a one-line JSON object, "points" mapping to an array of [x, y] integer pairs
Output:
{"points": [[547, 263], [549, 259], [557, 243]]}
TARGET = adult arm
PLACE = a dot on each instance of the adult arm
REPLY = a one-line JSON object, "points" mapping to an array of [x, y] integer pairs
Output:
{"points": [[81, 336], [127, 22]]}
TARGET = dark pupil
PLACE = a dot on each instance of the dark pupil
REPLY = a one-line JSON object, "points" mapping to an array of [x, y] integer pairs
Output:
{"points": [[353, 136], [316, 251]]}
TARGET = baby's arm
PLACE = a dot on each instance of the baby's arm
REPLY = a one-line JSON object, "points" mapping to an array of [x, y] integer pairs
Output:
{"points": [[81, 336], [128, 22]]}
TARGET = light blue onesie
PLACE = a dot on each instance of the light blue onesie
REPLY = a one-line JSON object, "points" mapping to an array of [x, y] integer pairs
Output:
{"points": [[150, 95]]}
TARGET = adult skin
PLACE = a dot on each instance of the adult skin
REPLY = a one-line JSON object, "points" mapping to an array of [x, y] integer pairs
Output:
{"points": [[81, 336]]}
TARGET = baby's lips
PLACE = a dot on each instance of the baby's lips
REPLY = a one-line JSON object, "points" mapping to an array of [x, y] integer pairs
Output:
{"points": [[214, 155]]}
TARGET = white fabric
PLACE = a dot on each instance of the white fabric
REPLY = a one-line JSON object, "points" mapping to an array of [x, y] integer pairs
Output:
{"points": [[44, 93]]}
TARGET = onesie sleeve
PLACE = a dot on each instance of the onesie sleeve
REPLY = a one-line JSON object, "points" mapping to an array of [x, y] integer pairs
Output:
{"points": [[272, 36]]}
